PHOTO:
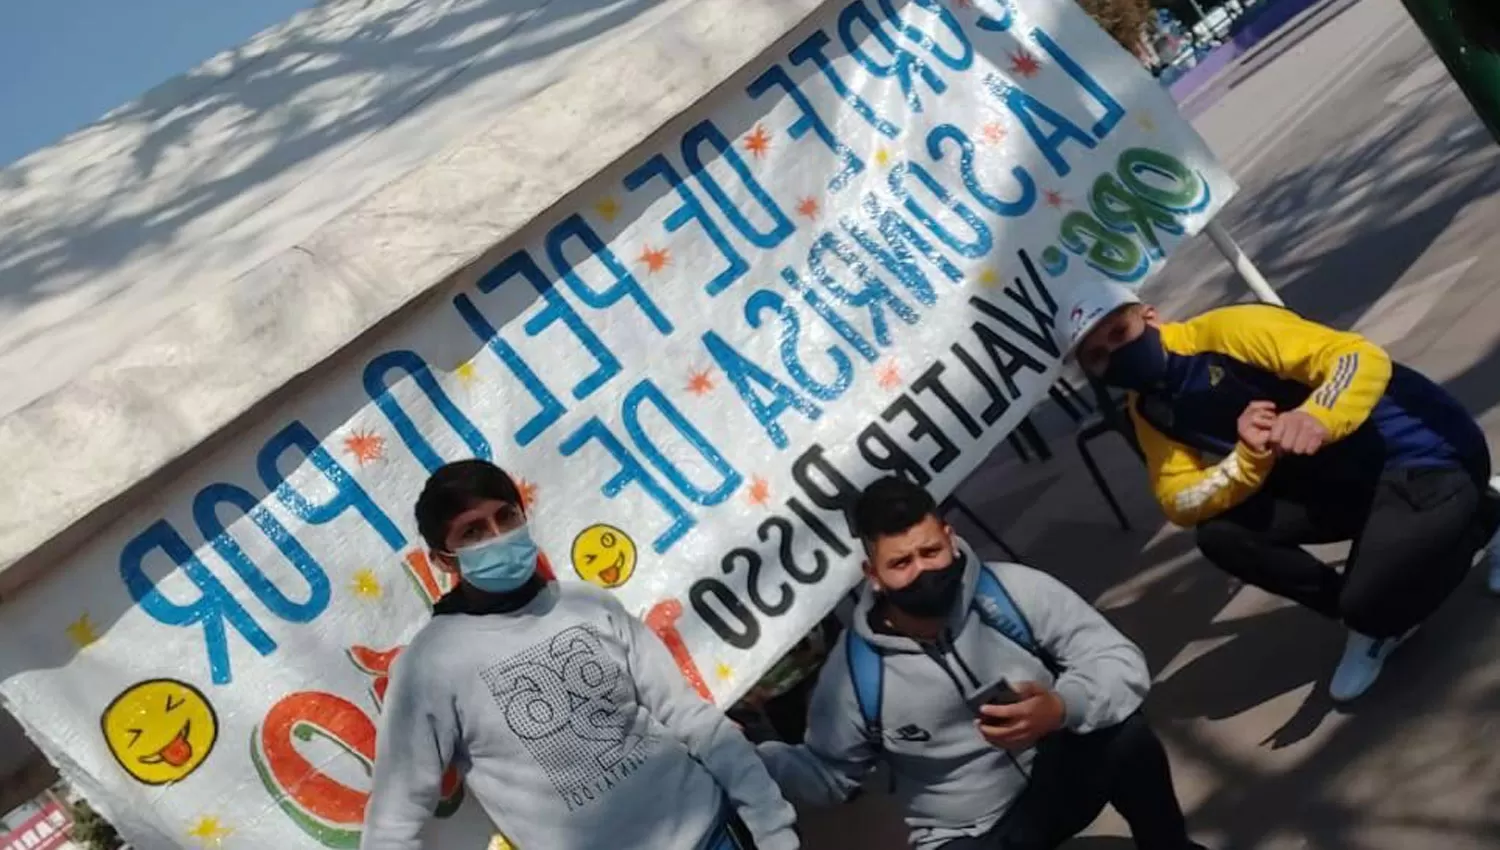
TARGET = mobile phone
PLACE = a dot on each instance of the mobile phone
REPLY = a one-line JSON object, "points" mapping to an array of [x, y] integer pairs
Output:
{"points": [[999, 693]]}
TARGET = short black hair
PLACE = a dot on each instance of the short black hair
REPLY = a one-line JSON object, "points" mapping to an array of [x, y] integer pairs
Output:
{"points": [[455, 488], [890, 506]]}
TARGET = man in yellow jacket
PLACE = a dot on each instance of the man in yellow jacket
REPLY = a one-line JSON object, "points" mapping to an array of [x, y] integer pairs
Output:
{"points": [[1265, 432]]}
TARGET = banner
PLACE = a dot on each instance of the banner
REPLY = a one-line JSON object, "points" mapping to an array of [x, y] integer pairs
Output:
{"points": [[844, 264]]}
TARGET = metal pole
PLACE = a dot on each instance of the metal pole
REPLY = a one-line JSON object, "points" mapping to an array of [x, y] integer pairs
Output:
{"points": [[1465, 34], [1247, 271]]}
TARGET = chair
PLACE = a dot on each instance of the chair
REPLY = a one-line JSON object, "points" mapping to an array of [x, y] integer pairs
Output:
{"points": [[953, 503], [1111, 418]]}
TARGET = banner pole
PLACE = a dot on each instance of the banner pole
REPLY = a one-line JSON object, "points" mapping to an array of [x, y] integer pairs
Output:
{"points": [[1247, 271]]}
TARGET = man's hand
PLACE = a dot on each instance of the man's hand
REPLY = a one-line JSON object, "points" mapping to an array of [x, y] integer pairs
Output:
{"points": [[1298, 433], [1020, 725], [1256, 425]]}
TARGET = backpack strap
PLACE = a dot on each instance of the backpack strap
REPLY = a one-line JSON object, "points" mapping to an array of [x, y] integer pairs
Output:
{"points": [[998, 610], [867, 670]]}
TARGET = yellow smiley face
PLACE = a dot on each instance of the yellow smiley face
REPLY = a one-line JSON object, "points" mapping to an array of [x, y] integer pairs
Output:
{"points": [[160, 730], [604, 555]]}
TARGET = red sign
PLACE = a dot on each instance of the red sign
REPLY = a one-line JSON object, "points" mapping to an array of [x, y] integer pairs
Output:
{"points": [[48, 829]]}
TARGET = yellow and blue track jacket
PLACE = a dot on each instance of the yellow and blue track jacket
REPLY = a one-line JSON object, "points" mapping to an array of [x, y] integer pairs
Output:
{"points": [[1380, 415]]}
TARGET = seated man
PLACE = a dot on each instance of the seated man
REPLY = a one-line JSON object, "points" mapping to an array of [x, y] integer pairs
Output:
{"points": [[1267, 432], [911, 682], [577, 728]]}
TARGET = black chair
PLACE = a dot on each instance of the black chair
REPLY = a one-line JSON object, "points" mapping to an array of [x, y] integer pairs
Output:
{"points": [[1112, 418], [1025, 434], [953, 503]]}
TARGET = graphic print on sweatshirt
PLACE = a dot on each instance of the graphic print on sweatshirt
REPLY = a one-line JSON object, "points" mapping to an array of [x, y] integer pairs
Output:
{"points": [[573, 706]]}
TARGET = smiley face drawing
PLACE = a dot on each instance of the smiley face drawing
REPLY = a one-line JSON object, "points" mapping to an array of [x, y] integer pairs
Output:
{"points": [[160, 730], [604, 555]]}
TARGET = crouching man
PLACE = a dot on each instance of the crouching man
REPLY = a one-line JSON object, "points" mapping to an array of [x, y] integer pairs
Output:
{"points": [[1007, 708]]}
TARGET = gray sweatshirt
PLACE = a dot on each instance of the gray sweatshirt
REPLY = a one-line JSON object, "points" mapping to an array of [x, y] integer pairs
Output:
{"points": [[950, 780], [577, 730]]}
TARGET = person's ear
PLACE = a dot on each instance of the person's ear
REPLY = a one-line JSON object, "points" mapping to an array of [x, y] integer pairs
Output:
{"points": [[869, 571], [1150, 316]]}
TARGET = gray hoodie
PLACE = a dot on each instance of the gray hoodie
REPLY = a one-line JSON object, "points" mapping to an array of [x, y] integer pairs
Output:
{"points": [[950, 780], [577, 729]]}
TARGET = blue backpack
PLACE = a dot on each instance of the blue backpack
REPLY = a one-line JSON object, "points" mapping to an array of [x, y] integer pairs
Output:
{"points": [[996, 609]]}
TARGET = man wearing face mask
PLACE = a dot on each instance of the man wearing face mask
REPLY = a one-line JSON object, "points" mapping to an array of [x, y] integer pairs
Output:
{"points": [[572, 721], [1006, 708], [1266, 432]]}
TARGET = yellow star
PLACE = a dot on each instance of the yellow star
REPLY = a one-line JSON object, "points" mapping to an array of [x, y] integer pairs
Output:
{"points": [[365, 585], [1146, 122], [723, 671], [210, 831], [498, 842], [607, 209], [466, 372], [82, 632], [882, 157], [989, 279]]}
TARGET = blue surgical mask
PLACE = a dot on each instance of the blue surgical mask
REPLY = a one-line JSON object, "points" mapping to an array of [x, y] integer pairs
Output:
{"points": [[1139, 365], [500, 564]]}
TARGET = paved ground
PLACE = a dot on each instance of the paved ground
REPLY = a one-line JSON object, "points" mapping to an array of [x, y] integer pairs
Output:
{"points": [[1369, 198]]}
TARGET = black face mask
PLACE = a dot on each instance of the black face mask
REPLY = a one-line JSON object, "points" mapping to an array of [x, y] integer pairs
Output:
{"points": [[1139, 365], [933, 593]]}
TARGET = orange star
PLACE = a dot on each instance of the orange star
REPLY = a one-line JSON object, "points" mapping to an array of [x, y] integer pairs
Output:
{"points": [[760, 491], [808, 208], [758, 143], [889, 376], [528, 493], [1055, 198], [993, 132], [366, 446], [701, 382], [655, 259], [1024, 64]]}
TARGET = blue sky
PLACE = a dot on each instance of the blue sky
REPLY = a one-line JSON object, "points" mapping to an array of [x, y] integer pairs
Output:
{"points": [[64, 63]]}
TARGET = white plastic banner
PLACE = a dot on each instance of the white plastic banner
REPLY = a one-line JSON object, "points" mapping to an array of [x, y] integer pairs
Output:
{"points": [[842, 266]]}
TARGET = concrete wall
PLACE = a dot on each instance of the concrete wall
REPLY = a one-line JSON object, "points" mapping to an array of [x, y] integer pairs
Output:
{"points": [[172, 270]]}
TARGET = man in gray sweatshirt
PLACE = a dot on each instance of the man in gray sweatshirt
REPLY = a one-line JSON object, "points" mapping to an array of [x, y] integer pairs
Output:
{"points": [[1004, 705], [574, 724]]}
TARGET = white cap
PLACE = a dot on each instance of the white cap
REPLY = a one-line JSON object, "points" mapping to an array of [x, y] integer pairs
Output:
{"points": [[1085, 306]]}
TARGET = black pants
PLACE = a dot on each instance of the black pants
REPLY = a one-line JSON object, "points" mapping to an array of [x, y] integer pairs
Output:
{"points": [[1415, 532], [1074, 776]]}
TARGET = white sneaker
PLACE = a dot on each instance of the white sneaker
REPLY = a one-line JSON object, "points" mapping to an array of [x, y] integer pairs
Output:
{"points": [[1360, 667]]}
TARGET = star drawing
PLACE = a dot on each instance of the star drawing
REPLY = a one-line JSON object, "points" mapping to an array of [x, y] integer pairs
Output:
{"points": [[607, 208], [655, 259], [882, 157], [365, 585], [528, 492], [365, 446], [1024, 64], [993, 133], [889, 376], [758, 142], [466, 372], [210, 831], [808, 208], [760, 491], [700, 382], [723, 671], [989, 279], [82, 632], [1055, 199]]}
